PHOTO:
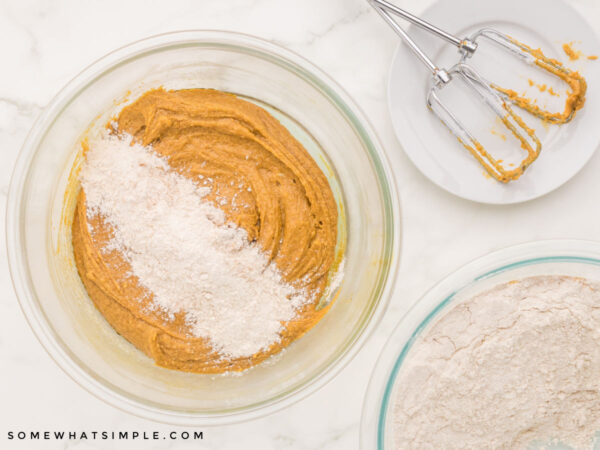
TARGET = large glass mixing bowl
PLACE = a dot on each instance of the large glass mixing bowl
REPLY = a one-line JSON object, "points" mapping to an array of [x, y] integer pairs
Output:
{"points": [[556, 257], [315, 110]]}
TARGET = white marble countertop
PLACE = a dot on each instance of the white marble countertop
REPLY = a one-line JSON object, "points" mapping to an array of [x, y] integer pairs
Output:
{"points": [[44, 44]]}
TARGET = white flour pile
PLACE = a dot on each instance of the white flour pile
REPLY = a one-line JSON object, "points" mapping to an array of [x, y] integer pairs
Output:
{"points": [[513, 367], [182, 250]]}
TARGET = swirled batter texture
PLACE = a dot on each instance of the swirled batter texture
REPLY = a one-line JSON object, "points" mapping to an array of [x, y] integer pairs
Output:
{"points": [[265, 182]]}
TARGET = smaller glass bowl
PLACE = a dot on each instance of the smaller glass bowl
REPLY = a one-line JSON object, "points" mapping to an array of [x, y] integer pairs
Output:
{"points": [[315, 110], [555, 257]]}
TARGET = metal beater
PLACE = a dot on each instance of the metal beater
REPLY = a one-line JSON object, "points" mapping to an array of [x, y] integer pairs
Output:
{"points": [[535, 57], [532, 57], [489, 96]]}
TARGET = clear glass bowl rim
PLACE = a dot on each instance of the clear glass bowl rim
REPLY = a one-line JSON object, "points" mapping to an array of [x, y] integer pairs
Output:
{"points": [[394, 351], [292, 62]]}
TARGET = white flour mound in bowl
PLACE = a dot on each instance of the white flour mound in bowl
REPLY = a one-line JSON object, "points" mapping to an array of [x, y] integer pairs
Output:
{"points": [[516, 366]]}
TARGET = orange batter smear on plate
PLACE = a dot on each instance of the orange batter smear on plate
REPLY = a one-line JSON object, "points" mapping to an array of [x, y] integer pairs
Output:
{"points": [[574, 55]]}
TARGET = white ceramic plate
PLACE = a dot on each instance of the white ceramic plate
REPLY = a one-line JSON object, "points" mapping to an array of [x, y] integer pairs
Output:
{"points": [[547, 24]]}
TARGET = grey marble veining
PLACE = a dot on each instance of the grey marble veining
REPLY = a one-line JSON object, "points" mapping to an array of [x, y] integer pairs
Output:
{"points": [[44, 44]]}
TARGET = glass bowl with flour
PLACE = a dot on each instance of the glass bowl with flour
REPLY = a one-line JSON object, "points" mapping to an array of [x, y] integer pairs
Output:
{"points": [[503, 353]]}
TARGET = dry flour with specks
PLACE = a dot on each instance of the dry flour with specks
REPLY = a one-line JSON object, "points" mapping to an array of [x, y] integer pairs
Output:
{"points": [[183, 251], [514, 366]]}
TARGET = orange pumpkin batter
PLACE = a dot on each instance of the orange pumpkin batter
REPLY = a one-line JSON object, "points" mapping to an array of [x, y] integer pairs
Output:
{"points": [[289, 210]]}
